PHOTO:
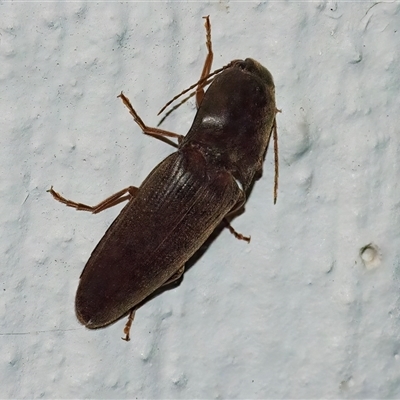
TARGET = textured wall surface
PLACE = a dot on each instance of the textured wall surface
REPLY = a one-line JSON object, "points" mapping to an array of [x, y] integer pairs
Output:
{"points": [[296, 313]]}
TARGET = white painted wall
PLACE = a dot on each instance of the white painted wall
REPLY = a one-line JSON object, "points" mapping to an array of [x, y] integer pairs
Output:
{"points": [[294, 314]]}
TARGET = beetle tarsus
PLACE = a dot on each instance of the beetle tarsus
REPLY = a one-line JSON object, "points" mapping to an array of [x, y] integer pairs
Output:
{"points": [[155, 132], [128, 325], [235, 233]]}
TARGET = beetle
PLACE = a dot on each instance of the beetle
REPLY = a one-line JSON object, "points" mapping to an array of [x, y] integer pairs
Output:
{"points": [[185, 197]]}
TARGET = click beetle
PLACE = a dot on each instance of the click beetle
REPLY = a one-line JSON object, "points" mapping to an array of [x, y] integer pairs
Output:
{"points": [[185, 197]]}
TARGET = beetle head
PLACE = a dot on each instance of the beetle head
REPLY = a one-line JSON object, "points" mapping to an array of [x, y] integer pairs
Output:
{"points": [[256, 69]]}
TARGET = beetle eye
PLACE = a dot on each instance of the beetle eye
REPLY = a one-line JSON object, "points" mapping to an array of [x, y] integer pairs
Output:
{"points": [[241, 64]]}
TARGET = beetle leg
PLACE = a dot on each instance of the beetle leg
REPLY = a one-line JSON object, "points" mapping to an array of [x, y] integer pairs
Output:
{"points": [[207, 63], [235, 233], [235, 209], [156, 132], [123, 195], [175, 277], [128, 325]]}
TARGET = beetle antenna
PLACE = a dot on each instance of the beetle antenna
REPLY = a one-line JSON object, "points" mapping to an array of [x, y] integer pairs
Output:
{"points": [[180, 103], [276, 158], [276, 162], [204, 80]]}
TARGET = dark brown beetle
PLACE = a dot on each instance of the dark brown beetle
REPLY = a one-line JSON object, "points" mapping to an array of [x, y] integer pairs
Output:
{"points": [[185, 197]]}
